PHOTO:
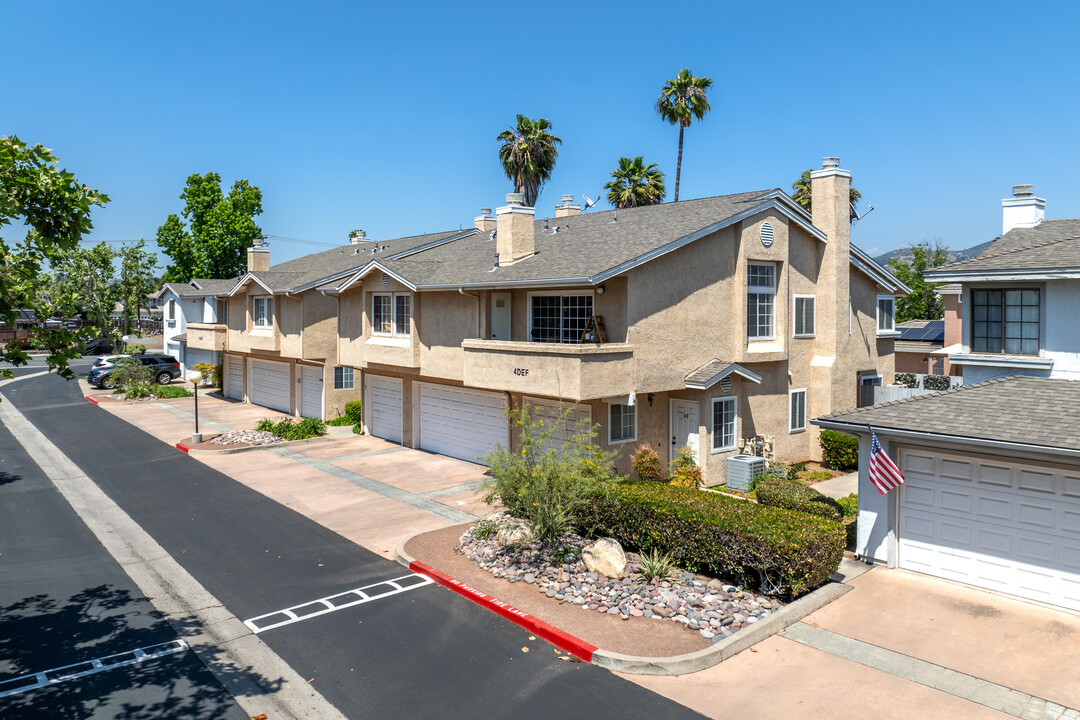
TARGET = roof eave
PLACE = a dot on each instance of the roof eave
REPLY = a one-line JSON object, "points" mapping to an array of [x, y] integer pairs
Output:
{"points": [[969, 276], [861, 260]]}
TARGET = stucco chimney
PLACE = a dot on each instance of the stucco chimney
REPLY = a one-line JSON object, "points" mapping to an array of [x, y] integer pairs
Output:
{"points": [[514, 230], [357, 236], [567, 207], [258, 259], [830, 195], [485, 221], [1022, 210]]}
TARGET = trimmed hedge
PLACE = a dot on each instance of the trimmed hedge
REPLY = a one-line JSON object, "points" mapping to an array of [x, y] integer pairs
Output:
{"points": [[786, 553], [353, 412], [839, 451], [793, 495]]}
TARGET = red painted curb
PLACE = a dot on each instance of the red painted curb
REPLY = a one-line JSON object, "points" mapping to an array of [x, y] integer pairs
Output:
{"points": [[93, 400], [182, 446], [552, 634]]}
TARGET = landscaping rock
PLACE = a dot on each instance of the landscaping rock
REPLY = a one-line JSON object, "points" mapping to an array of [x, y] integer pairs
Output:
{"points": [[606, 557], [515, 533]]}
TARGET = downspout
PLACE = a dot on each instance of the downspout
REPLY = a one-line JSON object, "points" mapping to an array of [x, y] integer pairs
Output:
{"points": [[462, 291]]}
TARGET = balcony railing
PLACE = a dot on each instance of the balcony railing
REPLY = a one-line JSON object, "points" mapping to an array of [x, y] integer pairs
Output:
{"points": [[207, 336], [570, 371]]}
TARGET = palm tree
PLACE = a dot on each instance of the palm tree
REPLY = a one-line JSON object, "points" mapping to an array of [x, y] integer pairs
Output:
{"points": [[682, 101], [803, 197], [634, 183], [528, 156]]}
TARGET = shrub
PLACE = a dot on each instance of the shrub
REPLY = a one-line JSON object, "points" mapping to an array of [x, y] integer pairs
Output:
{"points": [[850, 505], [340, 421], [793, 495], [839, 451], [787, 553], [170, 391], [211, 374], [134, 349], [290, 429], [816, 475], [549, 487], [796, 469], [656, 564], [907, 380], [937, 382], [353, 412], [773, 470], [685, 471], [647, 465], [131, 378]]}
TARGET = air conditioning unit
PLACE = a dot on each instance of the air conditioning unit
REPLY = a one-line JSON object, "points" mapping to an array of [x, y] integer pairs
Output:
{"points": [[742, 469]]}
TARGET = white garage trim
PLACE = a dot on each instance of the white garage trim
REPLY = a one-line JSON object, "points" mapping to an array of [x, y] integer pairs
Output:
{"points": [[311, 391], [383, 402], [271, 385], [551, 410], [459, 422], [1000, 524], [234, 377]]}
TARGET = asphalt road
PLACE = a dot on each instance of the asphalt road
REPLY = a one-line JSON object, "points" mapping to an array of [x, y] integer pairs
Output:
{"points": [[422, 653], [65, 600]]}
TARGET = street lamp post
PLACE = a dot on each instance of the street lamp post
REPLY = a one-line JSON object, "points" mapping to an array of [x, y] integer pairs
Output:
{"points": [[195, 376]]}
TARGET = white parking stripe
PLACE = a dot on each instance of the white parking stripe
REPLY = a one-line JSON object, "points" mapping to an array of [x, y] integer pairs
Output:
{"points": [[333, 603], [33, 681]]}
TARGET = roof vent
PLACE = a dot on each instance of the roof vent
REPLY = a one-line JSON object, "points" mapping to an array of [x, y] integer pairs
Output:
{"points": [[725, 384], [1023, 190], [767, 234], [385, 279]]}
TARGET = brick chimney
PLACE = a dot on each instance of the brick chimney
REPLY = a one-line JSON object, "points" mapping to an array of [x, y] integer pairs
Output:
{"points": [[258, 259], [567, 207], [485, 221], [514, 230], [1022, 210]]}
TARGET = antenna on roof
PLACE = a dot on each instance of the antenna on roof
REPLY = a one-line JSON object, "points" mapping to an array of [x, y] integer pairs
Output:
{"points": [[615, 217], [855, 216], [589, 202]]}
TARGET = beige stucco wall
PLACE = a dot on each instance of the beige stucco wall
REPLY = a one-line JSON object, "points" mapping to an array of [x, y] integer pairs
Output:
{"points": [[320, 326]]}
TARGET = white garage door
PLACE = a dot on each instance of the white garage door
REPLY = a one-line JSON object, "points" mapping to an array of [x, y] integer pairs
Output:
{"points": [[194, 356], [311, 394], [1003, 526], [270, 385], [384, 399], [580, 416], [234, 377], [461, 423]]}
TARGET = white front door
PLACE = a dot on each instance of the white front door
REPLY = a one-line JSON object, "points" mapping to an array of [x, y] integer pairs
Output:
{"points": [[684, 427], [500, 316], [385, 400], [311, 394]]}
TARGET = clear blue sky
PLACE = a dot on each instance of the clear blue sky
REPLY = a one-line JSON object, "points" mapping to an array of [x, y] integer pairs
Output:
{"points": [[384, 117]]}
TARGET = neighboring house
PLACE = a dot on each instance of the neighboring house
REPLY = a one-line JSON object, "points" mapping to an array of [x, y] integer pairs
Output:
{"points": [[992, 490], [196, 302], [918, 347], [720, 319]]}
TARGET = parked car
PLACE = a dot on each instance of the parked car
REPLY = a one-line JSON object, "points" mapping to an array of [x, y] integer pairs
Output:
{"points": [[166, 369], [97, 346]]}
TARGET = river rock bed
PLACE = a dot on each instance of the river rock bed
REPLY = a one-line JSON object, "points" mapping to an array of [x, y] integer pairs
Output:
{"points": [[253, 438], [706, 605]]}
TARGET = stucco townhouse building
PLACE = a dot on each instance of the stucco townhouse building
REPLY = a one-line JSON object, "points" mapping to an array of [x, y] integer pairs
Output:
{"points": [[698, 323]]}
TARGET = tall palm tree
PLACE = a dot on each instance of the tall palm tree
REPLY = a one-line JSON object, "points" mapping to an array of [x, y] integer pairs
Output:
{"points": [[803, 197], [528, 156], [634, 183], [682, 101]]}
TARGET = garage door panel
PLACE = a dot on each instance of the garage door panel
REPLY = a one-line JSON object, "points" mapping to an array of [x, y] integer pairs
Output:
{"points": [[1070, 521], [235, 369], [1036, 515], [386, 408], [992, 508], [1036, 481], [994, 542], [919, 495], [918, 462], [270, 385], [957, 470], [955, 533], [955, 500], [461, 423], [996, 475]]}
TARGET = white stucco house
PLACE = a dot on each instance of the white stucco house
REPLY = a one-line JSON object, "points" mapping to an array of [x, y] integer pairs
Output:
{"points": [[991, 496], [198, 301]]}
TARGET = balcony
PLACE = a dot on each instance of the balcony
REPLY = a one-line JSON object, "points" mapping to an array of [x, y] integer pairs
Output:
{"points": [[570, 371], [206, 336]]}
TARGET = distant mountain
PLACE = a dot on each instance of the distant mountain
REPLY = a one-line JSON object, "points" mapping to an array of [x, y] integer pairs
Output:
{"points": [[904, 254]]}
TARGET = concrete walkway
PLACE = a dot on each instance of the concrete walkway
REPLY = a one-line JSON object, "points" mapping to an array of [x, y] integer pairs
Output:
{"points": [[838, 487]]}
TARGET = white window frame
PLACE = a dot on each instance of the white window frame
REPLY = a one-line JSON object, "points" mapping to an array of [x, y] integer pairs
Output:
{"points": [[611, 426], [344, 378], [792, 427], [795, 316], [762, 290], [734, 401], [560, 293], [394, 331], [171, 317], [268, 319], [891, 330]]}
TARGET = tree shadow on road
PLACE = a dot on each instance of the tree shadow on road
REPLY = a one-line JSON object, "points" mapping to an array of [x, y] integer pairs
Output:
{"points": [[40, 633], [7, 478]]}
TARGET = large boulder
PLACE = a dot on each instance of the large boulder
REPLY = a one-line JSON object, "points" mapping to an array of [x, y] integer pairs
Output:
{"points": [[516, 533], [606, 557]]}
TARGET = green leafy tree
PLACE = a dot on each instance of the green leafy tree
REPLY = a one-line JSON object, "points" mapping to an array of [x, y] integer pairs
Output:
{"points": [[634, 183], [683, 100], [528, 156], [215, 231], [54, 208], [137, 280], [803, 196], [922, 303], [85, 279]]}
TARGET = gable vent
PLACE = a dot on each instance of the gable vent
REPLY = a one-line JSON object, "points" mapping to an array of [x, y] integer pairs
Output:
{"points": [[385, 279], [767, 235], [725, 384]]}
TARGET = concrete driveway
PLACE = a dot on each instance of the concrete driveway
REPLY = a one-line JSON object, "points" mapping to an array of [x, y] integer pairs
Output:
{"points": [[899, 645]]}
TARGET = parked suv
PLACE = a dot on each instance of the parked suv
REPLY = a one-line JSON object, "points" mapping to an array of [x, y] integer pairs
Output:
{"points": [[165, 367]]}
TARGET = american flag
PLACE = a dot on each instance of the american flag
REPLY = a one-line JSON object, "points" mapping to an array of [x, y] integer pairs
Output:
{"points": [[883, 471]]}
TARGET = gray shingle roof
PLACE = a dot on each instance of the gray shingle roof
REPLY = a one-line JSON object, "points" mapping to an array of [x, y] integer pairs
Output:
{"points": [[1018, 409], [716, 370], [1050, 245], [206, 287]]}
